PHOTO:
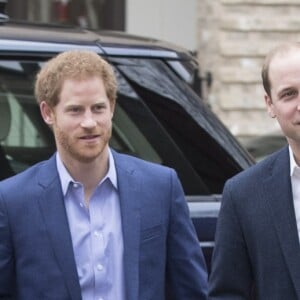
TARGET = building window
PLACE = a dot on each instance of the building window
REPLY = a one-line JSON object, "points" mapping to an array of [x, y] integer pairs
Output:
{"points": [[95, 14]]}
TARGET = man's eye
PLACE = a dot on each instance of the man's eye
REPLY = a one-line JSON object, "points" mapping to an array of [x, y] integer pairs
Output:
{"points": [[289, 94], [98, 108], [74, 109]]}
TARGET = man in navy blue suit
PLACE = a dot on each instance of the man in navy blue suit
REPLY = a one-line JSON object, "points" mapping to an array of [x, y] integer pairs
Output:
{"points": [[90, 223], [257, 251]]}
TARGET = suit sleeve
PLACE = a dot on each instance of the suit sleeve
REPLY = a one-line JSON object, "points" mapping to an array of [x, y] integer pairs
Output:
{"points": [[6, 256], [186, 269], [231, 275]]}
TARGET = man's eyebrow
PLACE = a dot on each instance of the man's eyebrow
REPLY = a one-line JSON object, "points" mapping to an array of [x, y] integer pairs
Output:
{"points": [[72, 106], [101, 100], [284, 90], [100, 103]]}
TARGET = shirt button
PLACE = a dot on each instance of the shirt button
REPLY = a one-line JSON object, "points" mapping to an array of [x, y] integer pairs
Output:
{"points": [[99, 267], [81, 204], [96, 233], [75, 185]]}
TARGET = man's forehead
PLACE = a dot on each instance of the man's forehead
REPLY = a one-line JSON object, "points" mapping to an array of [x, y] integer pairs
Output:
{"points": [[285, 53]]}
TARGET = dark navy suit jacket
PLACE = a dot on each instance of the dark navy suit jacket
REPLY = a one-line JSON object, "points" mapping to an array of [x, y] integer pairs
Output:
{"points": [[257, 251], [160, 245]]}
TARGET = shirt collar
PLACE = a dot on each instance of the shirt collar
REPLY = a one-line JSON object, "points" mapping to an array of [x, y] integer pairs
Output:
{"points": [[293, 164], [66, 178]]}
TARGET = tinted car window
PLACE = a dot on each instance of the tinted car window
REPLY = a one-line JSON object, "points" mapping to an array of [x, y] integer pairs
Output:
{"points": [[189, 124]]}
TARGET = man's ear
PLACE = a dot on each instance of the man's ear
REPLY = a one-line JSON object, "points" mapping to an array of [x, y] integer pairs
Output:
{"points": [[270, 106], [47, 113]]}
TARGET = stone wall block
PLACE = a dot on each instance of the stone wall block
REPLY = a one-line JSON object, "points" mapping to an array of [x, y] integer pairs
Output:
{"points": [[242, 97]]}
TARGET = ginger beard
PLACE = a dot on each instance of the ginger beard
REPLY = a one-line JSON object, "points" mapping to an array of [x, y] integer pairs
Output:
{"points": [[85, 147]]}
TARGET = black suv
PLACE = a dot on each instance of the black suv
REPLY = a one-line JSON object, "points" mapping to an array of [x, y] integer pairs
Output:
{"points": [[159, 116]]}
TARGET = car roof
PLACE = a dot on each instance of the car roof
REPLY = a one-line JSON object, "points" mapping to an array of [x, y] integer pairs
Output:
{"points": [[40, 37]]}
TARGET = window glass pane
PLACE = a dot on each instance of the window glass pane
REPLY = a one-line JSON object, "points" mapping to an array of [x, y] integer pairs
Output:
{"points": [[208, 146], [150, 126], [127, 138], [22, 132]]}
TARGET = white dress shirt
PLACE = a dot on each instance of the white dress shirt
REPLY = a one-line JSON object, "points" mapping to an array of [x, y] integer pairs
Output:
{"points": [[96, 234]]}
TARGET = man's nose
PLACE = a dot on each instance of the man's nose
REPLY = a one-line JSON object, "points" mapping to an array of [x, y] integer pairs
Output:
{"points": [[298, 103], [88, 121]]}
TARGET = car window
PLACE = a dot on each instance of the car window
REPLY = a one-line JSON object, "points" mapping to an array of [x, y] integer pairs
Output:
{"points": [[211, 150], [161, 141]]}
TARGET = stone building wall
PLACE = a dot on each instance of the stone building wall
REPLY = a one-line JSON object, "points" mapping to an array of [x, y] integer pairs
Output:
{"points": [[234, 37]]}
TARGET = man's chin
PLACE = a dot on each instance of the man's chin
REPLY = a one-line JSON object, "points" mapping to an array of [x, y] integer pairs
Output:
{"points": [[88, 157]]}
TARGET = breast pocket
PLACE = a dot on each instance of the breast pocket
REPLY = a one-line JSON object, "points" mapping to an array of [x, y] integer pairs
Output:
{"points": [[150, 234]]}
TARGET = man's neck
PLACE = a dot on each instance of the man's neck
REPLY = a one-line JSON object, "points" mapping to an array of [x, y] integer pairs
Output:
{"points": [[88, 173]]}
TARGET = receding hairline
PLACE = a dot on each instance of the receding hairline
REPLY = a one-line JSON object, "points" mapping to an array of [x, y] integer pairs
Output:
{"points": [[280, 50], [283, 49]]}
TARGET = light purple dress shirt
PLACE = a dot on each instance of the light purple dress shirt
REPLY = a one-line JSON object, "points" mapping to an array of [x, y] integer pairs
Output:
{"points": [[96, 234]]}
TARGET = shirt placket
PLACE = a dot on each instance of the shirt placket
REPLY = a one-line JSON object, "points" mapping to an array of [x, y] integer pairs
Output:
{"points": [[99, 244]]}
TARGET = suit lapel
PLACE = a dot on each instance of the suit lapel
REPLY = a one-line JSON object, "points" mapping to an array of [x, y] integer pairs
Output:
{"points": [[53, 210], [128, 185], [280, 201]]}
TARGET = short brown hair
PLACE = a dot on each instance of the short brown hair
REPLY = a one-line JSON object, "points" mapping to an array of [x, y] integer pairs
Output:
{"points": [[73, 64], [282, 48]]}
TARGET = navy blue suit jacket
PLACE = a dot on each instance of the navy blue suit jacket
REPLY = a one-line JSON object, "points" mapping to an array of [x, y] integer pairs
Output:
{"points": [[257, 251], [160, 245]]}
